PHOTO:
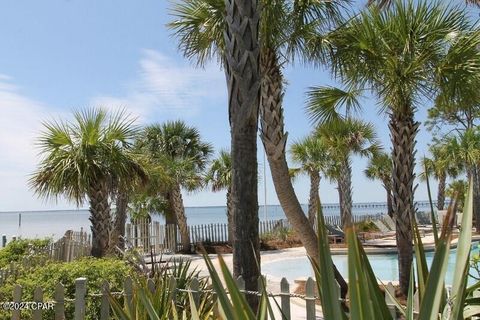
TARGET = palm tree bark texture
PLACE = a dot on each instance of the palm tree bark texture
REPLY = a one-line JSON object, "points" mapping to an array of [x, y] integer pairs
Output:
{"points": [[387, 185], [403, 130], [476, 196], [100, 218], [242, 70], [230, 222], [441, 191], [314, 199], [345, 193], [176, 202], [121, 205], [274, 139]]}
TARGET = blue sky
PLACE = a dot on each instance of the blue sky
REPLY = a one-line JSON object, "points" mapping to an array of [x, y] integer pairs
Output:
{"points": [[57, 55]]}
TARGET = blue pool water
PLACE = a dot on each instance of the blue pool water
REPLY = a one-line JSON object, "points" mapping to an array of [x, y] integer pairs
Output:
{"points": [[385, 266]]}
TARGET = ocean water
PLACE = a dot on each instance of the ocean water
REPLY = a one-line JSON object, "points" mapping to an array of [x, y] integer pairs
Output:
{"points": [[55, 223]]}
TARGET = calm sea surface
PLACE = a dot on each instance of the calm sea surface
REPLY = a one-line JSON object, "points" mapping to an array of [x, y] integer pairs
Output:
{"points": [[55, 223]]}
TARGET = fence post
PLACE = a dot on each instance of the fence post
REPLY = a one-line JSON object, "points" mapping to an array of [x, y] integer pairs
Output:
{"points": [[285, 299], [194, 286], [389, 301], [59, 302], [4, 240], [37, 297], [241, 284], [310, 298], [105, 305], [128, 287], [151, 285], [80, 291], [17, 297], [173, 287]]}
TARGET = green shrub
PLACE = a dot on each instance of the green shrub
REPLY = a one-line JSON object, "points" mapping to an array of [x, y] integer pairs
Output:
{"points": [[366, 226], [16, 250], [95, 270]]}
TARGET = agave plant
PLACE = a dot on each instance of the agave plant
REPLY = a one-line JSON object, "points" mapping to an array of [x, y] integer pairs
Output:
{"points": [[168, 295]]}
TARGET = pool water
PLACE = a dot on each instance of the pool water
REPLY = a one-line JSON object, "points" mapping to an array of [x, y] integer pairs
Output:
{"points": [[385, 266]]}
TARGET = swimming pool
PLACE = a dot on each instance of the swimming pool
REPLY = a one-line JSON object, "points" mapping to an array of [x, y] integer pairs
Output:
{"points": [[385, 266]]}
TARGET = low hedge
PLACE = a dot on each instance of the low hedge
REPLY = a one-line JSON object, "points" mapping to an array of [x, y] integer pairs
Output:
{"points": [[47, 276]]}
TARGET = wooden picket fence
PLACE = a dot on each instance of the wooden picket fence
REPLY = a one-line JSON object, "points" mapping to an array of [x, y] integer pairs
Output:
{"points": [[146, 236], [81, 298], [73, 245]]}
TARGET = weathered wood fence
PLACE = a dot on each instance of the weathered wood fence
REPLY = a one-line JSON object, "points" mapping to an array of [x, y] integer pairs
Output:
{"points": [[73, 245], [81, 298], [146, 235]]}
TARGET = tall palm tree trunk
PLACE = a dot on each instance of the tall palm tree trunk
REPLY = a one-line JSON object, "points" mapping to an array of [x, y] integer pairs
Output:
{"points": [[403, 130], [170, 223], [345, 189], [441, 191], [274, 139], [476, 196], [179, 209], [314, 199], [121, 205], [100, 218], [243, 82], [388, 190], [230, 220]]}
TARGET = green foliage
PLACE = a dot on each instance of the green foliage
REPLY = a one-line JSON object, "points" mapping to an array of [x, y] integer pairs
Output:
{"points": [[348, 137], [366, 226], [95, 270], [84, 152], [279, 234], [311, 153], [16, 250], [219, 175], [154, 298], [458, 188]]}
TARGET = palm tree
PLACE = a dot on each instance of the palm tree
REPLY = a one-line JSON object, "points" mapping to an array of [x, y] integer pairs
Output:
{"points": [[121, 194], [465, 149], [457, 188], [345, 138], [402, 55], [311, 153], [82, 159], [286, 31], [242, 57], [219, 176], [180, 152], [380, 168], [440, 166]]}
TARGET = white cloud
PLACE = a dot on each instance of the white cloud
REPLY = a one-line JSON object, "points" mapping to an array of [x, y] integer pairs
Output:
{"points": [[20, 123], [163, 86]]}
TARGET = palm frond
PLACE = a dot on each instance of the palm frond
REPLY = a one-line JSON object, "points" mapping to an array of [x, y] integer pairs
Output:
{"points": [[327, 104]]}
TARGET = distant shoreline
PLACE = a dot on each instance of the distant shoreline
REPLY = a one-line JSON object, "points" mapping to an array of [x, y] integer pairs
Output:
{"points": [[325, 205]]}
